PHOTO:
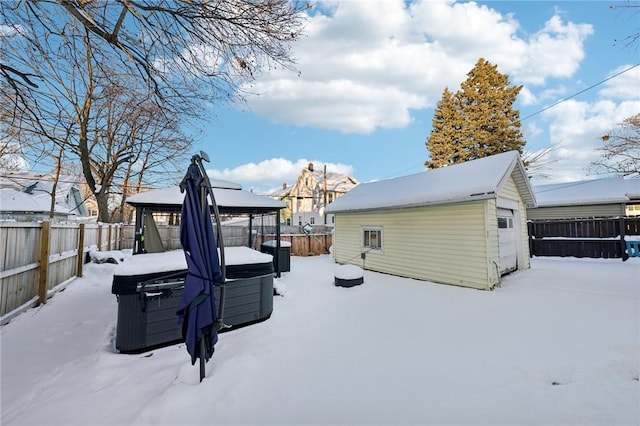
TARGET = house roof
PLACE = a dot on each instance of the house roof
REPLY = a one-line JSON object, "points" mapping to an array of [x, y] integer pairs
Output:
{"points": [[12, 200], [473, 180], [282, 192], [337, 182], [229, 200], [596, 191], [39, 184]]}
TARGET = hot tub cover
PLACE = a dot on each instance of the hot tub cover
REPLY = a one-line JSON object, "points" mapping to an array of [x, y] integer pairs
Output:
{"points": [[241, 262]]}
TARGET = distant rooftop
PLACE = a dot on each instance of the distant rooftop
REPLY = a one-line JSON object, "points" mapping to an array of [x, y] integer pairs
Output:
{"points": [[597, 191]]}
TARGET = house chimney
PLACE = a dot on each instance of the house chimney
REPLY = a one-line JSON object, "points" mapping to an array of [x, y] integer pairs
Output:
{"points": [[310, 167], [284, 185]]}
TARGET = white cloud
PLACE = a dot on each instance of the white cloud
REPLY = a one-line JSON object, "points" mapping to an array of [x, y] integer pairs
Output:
{"points": [[554, 51], [577, 128], [342, 104], [274, 172], [366, 65], [625, 86], [527, 97]]}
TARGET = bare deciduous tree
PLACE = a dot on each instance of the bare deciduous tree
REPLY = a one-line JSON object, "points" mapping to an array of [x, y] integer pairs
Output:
{"points": [[538, 162], [620, 153], [106, 80], [10, 152], [182, 49], [633, 7], [90, 112]]}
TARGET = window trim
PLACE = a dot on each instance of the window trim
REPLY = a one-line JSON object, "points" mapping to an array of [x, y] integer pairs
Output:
{"points": [[377, 229]]}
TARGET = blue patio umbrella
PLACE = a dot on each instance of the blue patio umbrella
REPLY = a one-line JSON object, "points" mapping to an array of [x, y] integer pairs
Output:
{"points": [[197, 309]]}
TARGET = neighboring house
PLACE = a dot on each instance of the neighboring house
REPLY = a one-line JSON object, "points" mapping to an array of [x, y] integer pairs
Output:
{"points": [[92, 208], [312, 192], [463, 225], [610, 197], [24, 207], [68, 194], [284, 194]]}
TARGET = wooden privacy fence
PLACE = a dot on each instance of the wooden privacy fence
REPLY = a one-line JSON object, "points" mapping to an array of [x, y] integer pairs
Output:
{"points": [[595, 238], [39, 259], [238, 235], [301, 244]]}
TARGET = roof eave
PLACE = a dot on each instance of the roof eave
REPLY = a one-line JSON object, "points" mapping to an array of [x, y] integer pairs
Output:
{"points": [[473, 197], [581, 203]]}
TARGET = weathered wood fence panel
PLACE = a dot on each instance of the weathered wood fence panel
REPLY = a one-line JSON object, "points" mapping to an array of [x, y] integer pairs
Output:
{"points": [[20, 273], [594, 238], [301, 244], [127, 236], [63, 254], [36, 258]]}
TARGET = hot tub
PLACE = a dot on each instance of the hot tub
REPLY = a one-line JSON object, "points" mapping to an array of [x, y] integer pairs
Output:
{"points": [[149, 288], [283, 263]]}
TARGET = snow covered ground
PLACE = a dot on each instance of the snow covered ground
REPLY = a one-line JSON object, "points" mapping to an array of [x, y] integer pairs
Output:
{"points": [[558, 344]]}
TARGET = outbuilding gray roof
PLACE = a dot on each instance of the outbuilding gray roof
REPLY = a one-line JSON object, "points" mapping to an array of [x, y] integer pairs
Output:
{"points": [[586, 192]]}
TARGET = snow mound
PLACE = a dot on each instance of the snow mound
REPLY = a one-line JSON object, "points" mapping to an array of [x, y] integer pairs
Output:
{"points": [[111, 256], [348, 272]]}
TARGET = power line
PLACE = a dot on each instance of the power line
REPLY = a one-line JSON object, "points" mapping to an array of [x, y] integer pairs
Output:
{"points": [[580, 92], [47, 178], [557, 103]]}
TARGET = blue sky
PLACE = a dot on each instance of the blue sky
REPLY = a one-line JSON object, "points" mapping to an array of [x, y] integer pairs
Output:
{"points": [[369, 74]]}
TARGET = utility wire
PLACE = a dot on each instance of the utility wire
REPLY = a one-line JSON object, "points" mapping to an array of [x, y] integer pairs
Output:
{"points": [[580, 92], [556, 103]]}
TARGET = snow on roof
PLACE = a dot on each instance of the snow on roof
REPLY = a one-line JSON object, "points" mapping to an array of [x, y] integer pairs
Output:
{"points": [[337, 182], [219, 183], [225, 197], [476, 179], [597, 191], [282, 192], [12, 200]]}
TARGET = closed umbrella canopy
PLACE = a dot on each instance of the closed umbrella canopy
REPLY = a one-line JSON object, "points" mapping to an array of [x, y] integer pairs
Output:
{"points": [[197, 309]]}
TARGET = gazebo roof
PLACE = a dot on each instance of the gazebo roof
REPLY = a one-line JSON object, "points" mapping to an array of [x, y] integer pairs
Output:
{"points": [[231, 199]]}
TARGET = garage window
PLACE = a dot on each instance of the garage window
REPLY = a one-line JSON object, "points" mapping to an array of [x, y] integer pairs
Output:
{"points": [[505, 222], [372, 238]]}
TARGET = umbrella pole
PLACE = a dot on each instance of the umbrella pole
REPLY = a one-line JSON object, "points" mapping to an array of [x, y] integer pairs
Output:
{"points": [[204, 209], [216, 213], [203, 350]]}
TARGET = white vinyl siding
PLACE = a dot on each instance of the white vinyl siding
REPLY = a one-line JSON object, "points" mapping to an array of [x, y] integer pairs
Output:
{"points": [[510, 192], [443, 243], [493, 250]]}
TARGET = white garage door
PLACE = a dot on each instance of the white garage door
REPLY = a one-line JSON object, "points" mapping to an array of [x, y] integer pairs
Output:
{"points": [[507, 241]]}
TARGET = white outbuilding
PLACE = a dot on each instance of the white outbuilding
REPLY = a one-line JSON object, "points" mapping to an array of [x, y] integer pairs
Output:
{"points": [[463, 225]]}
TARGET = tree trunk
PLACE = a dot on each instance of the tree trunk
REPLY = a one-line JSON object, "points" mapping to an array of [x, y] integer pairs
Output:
{"points": [[103, 207]]}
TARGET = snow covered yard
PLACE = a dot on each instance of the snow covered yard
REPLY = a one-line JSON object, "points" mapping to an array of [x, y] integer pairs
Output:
{"points": [[558, 344]]}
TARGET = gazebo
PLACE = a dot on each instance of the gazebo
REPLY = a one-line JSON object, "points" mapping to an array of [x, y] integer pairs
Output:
{"points": [[230, 198]]}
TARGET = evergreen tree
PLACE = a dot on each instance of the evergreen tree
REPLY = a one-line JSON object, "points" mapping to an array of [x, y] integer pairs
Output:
{"points": [[477, 121], [445, 134]]}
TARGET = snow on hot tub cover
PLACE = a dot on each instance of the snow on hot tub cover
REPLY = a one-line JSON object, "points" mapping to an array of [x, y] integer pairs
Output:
{"points": [[273, 243], [240, 262]]}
